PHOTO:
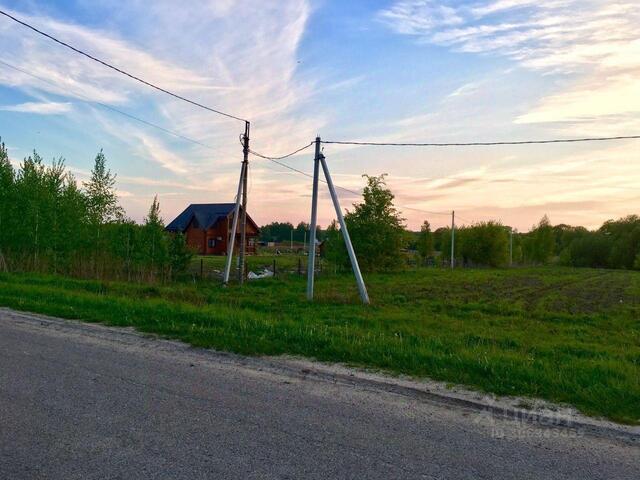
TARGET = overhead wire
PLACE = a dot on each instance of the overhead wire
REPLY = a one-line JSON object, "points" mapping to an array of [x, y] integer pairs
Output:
{"points": [[483, 144], [283, 156], [277, 161], [119, 70]]}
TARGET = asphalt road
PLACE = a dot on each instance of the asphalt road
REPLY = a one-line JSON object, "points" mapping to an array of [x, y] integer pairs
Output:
{"points": [[87, 402]]}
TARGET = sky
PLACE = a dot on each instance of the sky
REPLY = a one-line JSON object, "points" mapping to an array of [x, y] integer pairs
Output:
{"points": [[394, 70]]}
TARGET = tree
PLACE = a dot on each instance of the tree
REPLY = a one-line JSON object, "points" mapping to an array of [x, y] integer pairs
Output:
{"points": [[589, 249], [180, 254], [375, 227], [485, 243], [102, 200], [70, 226], [102, 205], [7, 184], [301, 231], [425, 241], [540, 243], [625, 236], [156, 251], [32, 220], [276, 232]]}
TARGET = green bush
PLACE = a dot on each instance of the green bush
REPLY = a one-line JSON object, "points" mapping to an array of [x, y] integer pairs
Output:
{"points": [[485, 243]]}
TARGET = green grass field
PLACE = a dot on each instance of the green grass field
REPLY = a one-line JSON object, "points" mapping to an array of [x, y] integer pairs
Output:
{"points": [[566, 335]]}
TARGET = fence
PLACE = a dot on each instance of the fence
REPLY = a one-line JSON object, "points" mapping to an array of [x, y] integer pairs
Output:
{"points": [[212, 268]]}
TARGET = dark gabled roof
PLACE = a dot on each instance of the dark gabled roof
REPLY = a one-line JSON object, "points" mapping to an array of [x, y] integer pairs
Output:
{"points": [[205, 214]]}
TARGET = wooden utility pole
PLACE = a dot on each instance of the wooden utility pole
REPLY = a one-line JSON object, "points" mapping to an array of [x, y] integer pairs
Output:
{"points": [[243, 226]]}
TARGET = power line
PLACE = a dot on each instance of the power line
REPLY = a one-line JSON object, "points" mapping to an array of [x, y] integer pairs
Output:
{"points": [[464, 219], [108, 107], [289, 167], [283, 156], [447, 214], [123, 72], [484, 144], [293, 169], [277, 161]]}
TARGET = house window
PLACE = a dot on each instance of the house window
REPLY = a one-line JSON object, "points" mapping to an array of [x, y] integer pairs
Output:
{"points": [[212, 242]]}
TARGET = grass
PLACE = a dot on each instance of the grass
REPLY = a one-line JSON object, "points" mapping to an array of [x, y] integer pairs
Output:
{"points": [[566, 335]]}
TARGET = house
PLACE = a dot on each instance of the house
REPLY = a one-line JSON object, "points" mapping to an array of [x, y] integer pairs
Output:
{"points": [[207, 227]]}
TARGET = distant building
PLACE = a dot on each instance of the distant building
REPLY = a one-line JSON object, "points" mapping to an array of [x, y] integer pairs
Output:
{"points": [[207, 228]]}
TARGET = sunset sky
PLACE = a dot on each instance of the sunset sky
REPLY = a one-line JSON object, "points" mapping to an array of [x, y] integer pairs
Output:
{"points": [[404, 70]]}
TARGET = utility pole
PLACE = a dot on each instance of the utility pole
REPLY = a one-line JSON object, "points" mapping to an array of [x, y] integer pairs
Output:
{"points": [[311, 265], [364, 296], [304, 243], [510, 246], [291, 243], [231, 236], [453, 237], [243, 227], [241, 198], [320, 161]]}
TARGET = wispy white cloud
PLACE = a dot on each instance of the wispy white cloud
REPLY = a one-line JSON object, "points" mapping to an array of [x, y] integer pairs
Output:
{"points": [[40, 108], [551, 35], [596, 43], [582, 58]]}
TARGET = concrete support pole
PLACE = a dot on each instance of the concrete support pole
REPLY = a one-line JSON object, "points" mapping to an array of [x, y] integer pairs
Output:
{"points": [[314, 217], [453, 238], [343, 227], [231, 240]]}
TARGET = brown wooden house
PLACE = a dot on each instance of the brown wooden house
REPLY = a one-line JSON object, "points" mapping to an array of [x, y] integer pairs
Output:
{"points": [[207, 228]]}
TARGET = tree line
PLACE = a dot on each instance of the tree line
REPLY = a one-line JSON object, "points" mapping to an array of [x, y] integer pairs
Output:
{"points": [[382, 242], [283, 232], [50, 224], [616, 244]]}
